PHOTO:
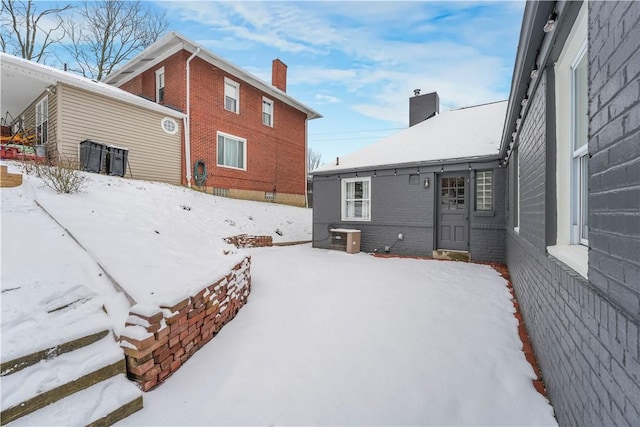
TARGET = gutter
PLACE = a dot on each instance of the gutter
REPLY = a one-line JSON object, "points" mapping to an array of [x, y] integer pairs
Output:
{"points": [[187, 120]]}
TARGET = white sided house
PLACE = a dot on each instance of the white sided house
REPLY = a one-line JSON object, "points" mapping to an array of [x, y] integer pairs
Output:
{"points": [[435, 188], [61, 109]]}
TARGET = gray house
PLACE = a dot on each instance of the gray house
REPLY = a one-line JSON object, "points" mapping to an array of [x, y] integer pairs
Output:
{"points": [[435, 188], [572, 142]]}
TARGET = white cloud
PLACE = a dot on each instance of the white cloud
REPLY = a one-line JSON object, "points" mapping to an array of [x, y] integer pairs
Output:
{"points": [[326, 99]]}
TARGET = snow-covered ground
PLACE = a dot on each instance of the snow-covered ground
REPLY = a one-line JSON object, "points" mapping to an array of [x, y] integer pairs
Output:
{"points": [[326, 337]]}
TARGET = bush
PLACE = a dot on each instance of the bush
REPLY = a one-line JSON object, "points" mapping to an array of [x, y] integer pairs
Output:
{"points": [[63, 177]]}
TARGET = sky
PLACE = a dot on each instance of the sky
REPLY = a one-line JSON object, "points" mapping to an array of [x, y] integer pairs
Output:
{"points": [[358, 62]]}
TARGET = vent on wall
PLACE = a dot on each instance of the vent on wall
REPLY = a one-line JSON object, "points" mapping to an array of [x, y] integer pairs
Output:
{"points": [[222, 192]]}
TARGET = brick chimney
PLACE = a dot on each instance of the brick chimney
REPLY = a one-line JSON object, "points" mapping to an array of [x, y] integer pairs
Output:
{"points": [[423, 107], [279, 75]]}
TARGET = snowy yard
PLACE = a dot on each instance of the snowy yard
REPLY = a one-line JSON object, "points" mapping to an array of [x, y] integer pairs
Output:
{"points": [[325, 338], [334, 339]]}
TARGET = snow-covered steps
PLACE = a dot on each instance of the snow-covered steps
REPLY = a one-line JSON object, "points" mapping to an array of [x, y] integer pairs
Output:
{"points": [[20, 363], [50, 380], [102, 404]]}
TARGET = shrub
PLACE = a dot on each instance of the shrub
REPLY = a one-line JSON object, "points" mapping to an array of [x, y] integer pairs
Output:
{"points": [[63, 177]]}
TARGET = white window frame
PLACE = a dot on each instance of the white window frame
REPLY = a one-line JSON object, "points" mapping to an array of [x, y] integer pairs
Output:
{"points": [[160, 85], [228, 84], [236, 139], [569, 248], [366, 211], [580, 156], [42, 121], [484, 190], [269, 113]]}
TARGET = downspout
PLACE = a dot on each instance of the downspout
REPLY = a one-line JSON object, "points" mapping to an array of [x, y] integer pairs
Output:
{"points": [[187, 130]]}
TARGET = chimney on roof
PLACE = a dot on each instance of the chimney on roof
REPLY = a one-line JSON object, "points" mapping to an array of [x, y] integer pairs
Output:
{"points": [[423, 107], [279, 74]]}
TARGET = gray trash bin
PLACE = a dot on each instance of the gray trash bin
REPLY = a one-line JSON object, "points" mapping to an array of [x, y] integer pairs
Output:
{"points": [[92, 156], [117, 160]]}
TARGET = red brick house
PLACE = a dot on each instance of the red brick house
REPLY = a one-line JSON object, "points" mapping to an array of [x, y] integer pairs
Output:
{"points": [[243, 138]]}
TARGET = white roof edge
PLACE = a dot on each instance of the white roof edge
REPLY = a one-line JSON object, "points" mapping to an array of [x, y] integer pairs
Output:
{"points": [[223, 64], [65, 77]]}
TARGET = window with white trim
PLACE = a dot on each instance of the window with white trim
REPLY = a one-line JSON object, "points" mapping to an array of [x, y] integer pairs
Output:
{"points": [[356, 199], [232, 151], [572, 152], [42, 121], [580, 152], [160, 85], [267, 112], [484, 190], [231, 95]]}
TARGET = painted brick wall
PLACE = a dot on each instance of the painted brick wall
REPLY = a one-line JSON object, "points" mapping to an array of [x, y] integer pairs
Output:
{"points": [[486, 239], [399, 207], [614, 145], [531, 155], [586, 333], [276, 157]]}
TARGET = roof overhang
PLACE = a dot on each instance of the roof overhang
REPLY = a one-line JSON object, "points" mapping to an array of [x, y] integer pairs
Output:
{"points": [[476, 161], [22, 81], [536, 49], [173, 42]]}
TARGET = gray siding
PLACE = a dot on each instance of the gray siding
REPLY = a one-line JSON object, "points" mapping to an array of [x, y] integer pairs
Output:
{"points": [[399, 207], [586, 332], [153, 154]]}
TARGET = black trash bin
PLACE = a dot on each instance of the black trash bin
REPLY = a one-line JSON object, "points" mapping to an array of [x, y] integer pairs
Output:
{"points": [[92, 156], [117, 160]]}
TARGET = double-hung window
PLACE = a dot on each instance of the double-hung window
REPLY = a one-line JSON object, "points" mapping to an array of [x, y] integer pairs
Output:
{"points": [[231, 95], [580, 152], [356, 199], [572, 151], [160, 85], [267, 112], [42, 121], [484, 190], [232, 151]]}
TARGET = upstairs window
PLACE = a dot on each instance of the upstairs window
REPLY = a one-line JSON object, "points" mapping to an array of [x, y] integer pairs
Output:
{"points": [[160, 85], [232, 151], [356, 199], [42, 121], [231, 95], [484, 190], [267, 112]]}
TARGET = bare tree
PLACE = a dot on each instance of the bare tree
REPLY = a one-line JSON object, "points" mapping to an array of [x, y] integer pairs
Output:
{"points": [[109, 32], [313, 159], [27, 32]]}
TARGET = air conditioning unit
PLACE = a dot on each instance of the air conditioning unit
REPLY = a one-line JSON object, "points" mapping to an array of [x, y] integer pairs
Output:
{"points": [[345, 239]]}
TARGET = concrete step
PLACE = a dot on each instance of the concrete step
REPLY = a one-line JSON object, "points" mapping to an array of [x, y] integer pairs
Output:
{"points": [[451, 255], [102, 404], [50, 380]]}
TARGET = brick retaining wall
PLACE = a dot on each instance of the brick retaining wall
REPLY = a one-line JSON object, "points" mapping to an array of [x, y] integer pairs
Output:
{"points": [[248, 241], [158, 340]]}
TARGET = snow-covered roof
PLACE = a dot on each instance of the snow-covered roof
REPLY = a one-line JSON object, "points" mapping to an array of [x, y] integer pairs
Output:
{"points": [[173, 42], [465, 133], [23, 80]]}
